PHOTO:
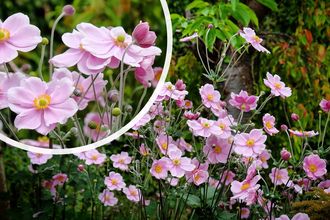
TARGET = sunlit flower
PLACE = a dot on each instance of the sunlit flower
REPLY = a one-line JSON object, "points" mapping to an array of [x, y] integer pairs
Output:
{"points": [[132, 193], [204, 127], [250, 36], [243, 101], [210, 97], [314, 166], [159, 168], [42, 105], [241, 190], [277, 86], [39, 159], [17, 34], [216, 149], [250, 144], [279, 176], [114, 181], [121, 161], [269, 124], [177, 164], [94, 157], [108, 198]]}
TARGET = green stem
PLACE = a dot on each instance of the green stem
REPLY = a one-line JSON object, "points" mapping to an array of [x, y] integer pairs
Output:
{"points": [[43, 49], [8, 126]]}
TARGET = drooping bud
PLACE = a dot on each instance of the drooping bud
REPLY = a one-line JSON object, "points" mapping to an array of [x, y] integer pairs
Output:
{"points": [[294, 117], [143, 36], [113, 95], [44, 41], [285, 155], [284, 127], [68, 10]]}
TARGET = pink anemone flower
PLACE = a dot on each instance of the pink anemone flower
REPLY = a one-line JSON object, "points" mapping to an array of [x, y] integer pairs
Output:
{"points": [[250, 36], [277, 86], [243, 101], [17, 34], [41, 105]]}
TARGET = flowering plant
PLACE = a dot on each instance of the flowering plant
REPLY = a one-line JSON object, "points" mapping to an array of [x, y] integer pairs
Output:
{"points": [[54, 104]]}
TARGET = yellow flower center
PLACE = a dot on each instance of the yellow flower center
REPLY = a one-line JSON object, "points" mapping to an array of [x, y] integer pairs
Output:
{"points": [[133, 193], [94, 157], [122, 161], [263, 159], [206, 125], [114, 181], [222, 125], [269, 125], [176, 162], [106, 198], [243, 106], [80, 88], [197, 177], [4, 34], [164, 146], [158, 168], [250, 143], [313, 168], [245, 186], [43, 139], [81, 47], [38, 155], [278, 176], [217, 149], [42, 102], [210, 97], [278, 85], [257, 39], [120, 41], [170, 87]]}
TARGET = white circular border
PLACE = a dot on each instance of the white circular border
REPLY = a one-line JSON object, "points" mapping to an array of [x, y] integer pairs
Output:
{"points": [[128, 126]]}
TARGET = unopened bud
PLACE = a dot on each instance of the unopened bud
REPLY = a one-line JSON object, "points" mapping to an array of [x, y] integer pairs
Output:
{"points": [[294, 117], [210, 26], [68, 10], [80, 168], [128, 108], [285, 155], [116, 111], [284, 127], [77, 92], [113, 95], [92, 125], [44, 41]]}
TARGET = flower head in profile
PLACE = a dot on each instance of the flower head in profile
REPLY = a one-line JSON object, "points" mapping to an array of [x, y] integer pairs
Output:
{"points": [[121, 161], [40, 105], [94, 157], [177, 164], [159, 168], [277, 87], [17, 34], [132, 193], [169, 91], [243, 101], [250, 144], [165, 143], [303, 133], [108, 198], [279, 176], [114, 181], [314, 166], [216, 149], [227, 177], [242, 190], [245, 213], [269, 124], [39, 159], [264, 157], [210, 97], [143, 36], [250, 36], [325, 105]]}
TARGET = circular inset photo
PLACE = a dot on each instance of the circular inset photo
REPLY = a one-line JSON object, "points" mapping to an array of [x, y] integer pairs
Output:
{"points": [[76, 77]]}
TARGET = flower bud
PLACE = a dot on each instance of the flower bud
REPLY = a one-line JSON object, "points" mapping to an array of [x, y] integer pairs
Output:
{"points": [[92, 125], [113, 95], [143, 36], [284, 127], [68, 10], [285, 155], [80, 168], [294, 117], [116, 111], [44, 41], [210, 26], [74, 130], [128, 108], [179, 85]]}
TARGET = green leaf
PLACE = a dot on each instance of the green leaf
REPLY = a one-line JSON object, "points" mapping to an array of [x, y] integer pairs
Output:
{"points": [[269, 4], [251, 14], [193, 201], [234, 4], [197, 4], [211, 37]]}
